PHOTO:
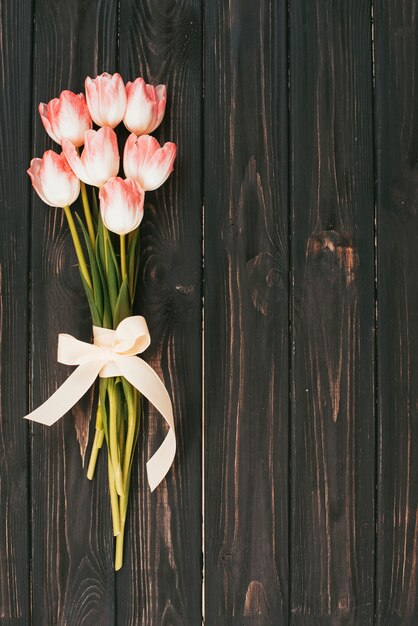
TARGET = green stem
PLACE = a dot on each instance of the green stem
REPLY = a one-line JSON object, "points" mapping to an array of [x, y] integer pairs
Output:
{"points": [[130, 436], [77, 246], [113, 439], [123, 256], [131, 396], [87, 213], [119, 549], [97, 443], [105, 251], [113, 499]]}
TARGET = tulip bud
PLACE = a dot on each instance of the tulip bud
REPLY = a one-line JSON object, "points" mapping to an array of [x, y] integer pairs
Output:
{"points": [[66, 117], [145, 106], [121, 205], [146, 161], [99, 160], [106, 99], [53, 179]]}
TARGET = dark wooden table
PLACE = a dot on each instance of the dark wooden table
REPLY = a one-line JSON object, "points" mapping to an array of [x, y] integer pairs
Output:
{"points": [[291, 223]]}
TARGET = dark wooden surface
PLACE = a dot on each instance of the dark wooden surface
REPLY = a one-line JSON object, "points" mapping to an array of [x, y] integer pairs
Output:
{"points": [[289, 227], [15, 129], [332, 269], [396, 53], [161, 580], [72, 547], [246, 314]]}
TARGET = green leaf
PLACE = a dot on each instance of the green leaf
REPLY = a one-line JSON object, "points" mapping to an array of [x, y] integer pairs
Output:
{"points": [[100, 251], [95, 315], [103, 404], [136, 272], [109, 264], [112, 254], [107, 313], [112, 283], [133, 261], [129, 393], [123, 305], [95, 205], [95, 276]]}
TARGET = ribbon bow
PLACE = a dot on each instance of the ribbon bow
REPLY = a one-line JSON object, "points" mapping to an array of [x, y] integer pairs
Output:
{"points": [[113, 353]]}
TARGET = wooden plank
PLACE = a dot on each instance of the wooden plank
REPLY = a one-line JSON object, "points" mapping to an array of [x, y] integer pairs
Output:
{"points": [[333, 451], [15, 104], [72, 543], [160, 582], [246, 313], [396, 40]]}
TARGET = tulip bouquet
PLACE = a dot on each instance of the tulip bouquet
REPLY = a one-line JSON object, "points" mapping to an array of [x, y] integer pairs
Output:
{"points": [[106, 243]]}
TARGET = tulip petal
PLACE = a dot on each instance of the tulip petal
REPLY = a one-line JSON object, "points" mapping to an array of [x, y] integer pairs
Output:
{"points": [[33, 171], [121, 205], [101, 155], [147, 162], [53, 179], [75, 162], [43, 109], [138, 151], [145, 106], [59, 184], [106, 99], [66, 117], [160, 166]]}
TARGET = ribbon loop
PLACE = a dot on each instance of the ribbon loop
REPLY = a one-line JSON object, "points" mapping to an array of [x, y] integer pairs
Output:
{"points": [[113, 353]]}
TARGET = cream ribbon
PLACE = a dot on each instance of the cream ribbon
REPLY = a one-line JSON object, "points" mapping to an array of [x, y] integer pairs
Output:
{"points": [[113, 353]]}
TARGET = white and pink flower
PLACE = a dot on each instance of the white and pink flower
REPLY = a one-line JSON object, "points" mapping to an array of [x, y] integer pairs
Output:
{"points": [[66, 117], [145, 106], [121, 205], [146, 161], [53, 179], [99, 160], [106, 99]]}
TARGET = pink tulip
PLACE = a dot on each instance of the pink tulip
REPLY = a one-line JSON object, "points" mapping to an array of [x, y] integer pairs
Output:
{"points": [[146, 161], [66, 117], [99, 160], [121, 205], [106, 99], [53, 179], [145, 106]]}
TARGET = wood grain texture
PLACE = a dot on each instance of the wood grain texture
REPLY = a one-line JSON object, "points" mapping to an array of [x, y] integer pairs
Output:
{"points": [[332, 454], [310, 513], [72, 543], [396, 53], [15, 76], [246, 313], [161, 41]]}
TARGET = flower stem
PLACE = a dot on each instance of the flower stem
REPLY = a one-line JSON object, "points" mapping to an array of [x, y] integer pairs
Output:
{"points": [[113, 437], [77, 246], [131, 431], [123, 256], [113, 499], [97, 443], [131, 396], [87, 213], [119, 549]]}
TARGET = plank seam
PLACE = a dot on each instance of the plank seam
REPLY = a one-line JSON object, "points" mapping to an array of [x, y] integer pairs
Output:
{"points": [[117, 65], [290, 318], [375, 343], [30, 426], [202, 300]]}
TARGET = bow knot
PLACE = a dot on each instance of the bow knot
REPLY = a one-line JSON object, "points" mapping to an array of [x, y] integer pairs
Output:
{"points": [[131, 337], [113, 353]]}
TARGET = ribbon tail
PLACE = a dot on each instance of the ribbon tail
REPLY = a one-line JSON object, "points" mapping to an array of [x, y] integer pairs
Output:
{"points": [[146, 380], [67, 395]]}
